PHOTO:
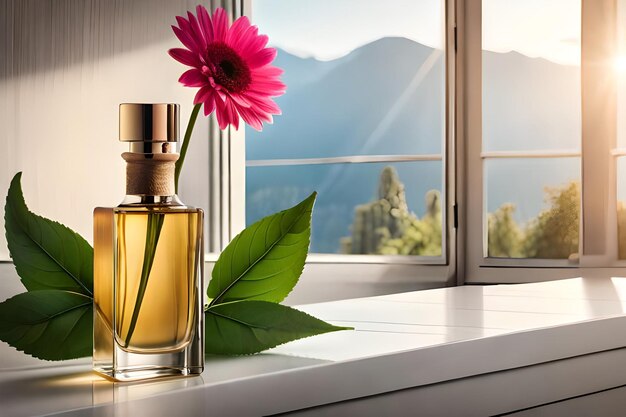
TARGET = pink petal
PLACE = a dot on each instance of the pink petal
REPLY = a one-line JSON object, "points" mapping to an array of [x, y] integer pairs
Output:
{"points": [[267, 118], [209, 107], [205, 23], [232, 113], [185, 39], [253, 43], [221, 114], [266, 105], [268, 71], [220, 93], [199, 36], [237, 30], [263, 116], [204, 95], [226, 114], [220, 24], [252, 94], [193, 78], [261, 58], [186, 27], [185, 57], [247, 40], [268, 87], [240, 100], [251, 118]]}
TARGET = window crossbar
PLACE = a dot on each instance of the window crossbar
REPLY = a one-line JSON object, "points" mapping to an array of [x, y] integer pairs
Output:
{"points": [[530, 154], [356, 159]]}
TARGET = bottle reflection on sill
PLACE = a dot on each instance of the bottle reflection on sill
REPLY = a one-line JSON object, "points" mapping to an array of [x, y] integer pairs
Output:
{"points": [[105, 391]]}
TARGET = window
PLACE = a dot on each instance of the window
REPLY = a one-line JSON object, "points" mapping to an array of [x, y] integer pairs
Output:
{"points": [[364, 124], [531, 137], [524, 126], [541, 189]]}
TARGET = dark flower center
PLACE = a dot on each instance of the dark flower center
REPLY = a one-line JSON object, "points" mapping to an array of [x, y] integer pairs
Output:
{"points": [[228, 69]]}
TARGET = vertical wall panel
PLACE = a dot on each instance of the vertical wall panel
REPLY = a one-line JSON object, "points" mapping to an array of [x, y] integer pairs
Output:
{"points": [[65, 66]]}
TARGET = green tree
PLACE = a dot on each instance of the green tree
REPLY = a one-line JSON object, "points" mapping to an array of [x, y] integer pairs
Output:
{"points": [[420, 236], [505, 237], [386, 226], [553, 234]]}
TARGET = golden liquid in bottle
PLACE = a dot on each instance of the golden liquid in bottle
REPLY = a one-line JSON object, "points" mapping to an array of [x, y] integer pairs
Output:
{"points": [[168, 310]]}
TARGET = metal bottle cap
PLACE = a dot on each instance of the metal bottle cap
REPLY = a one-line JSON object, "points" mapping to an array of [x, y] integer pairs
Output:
{"points": [[151, 131], [149, 127]]}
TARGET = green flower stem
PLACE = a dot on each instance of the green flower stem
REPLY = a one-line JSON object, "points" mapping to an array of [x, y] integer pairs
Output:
{"points": [[183, 149], [155, 224]]}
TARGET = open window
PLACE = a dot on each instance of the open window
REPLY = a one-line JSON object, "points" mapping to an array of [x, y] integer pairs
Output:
{"points": [[367, 123], [542, 138]]}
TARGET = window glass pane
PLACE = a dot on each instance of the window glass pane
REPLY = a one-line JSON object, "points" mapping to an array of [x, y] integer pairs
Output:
{"points": [[370, 208], [533, 207], [363, 77], [531, 75]]}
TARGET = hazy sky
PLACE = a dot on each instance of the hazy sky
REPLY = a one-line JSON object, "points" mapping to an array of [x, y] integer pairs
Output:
{"points": [[328, 29], [537, 28]]}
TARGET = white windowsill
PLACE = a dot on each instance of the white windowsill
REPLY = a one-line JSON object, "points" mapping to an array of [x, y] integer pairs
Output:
{"points": [[401, 341], [325, 258]]}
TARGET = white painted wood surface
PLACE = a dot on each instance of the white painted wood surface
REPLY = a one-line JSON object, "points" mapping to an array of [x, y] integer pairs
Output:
{"points": [[502, 392], [543, 335], [609, 403]]}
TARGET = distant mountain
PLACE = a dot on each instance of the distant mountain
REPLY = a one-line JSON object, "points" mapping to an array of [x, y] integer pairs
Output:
{"points": [[387, 97], [529, 103], [301, 71], [334, 106]]}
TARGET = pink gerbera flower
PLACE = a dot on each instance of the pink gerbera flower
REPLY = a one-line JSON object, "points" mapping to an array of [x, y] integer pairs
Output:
{"points": [[231, 65]]}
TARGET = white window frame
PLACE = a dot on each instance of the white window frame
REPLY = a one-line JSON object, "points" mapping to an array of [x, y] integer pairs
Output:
{"points": [[226, 214], [598, 229]]}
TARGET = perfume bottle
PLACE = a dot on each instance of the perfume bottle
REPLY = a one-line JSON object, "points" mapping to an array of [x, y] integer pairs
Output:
{"points": [[148, 260]]}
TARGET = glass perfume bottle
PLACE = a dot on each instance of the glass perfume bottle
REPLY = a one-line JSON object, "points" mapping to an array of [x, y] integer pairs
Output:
{"points": [[148, 260]]}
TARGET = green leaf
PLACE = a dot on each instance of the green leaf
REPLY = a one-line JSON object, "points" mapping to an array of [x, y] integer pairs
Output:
{"points": [[48, 324], [247, 327], [264, 261], [46, 254]]}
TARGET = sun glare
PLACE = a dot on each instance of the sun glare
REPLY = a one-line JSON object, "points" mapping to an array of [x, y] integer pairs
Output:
{"points": [[620, 64]]}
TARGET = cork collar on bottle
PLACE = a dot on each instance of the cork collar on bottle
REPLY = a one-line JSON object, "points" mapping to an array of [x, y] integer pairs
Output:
{"points": [[150, 174]]}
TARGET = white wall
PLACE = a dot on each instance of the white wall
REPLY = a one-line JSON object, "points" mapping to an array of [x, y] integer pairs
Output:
{"points": [[65, 66]]}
